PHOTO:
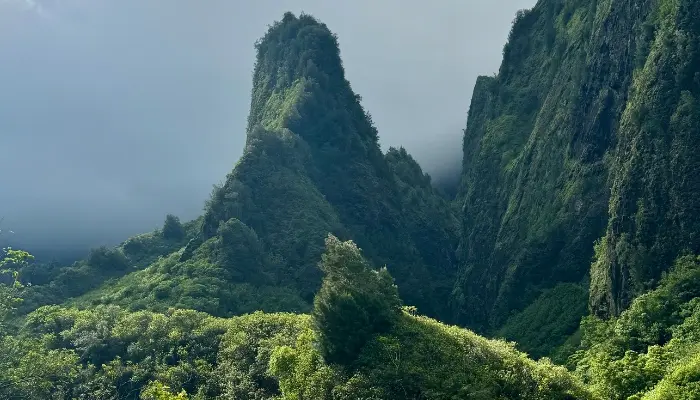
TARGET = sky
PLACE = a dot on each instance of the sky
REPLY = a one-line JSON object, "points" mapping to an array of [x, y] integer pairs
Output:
{"points": [[114, 113]]}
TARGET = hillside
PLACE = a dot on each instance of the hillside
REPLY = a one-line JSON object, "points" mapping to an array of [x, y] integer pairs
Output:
{"points": [[311, 165], [573, 236], [654, 182], [377, 350], [583, 134]]}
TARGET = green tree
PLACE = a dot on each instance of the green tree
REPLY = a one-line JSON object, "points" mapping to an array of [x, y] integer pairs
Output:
{"points": [[240, 251], [172, 228], [107, 259], [27, 369], [355, 302], [10, 263], [159, 391]]}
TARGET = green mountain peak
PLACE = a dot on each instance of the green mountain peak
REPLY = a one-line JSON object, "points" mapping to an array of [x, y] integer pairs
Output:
{"points": [[574, 234]]}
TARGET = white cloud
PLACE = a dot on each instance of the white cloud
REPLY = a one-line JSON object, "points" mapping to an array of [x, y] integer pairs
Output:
{"points": [[32, 6]]}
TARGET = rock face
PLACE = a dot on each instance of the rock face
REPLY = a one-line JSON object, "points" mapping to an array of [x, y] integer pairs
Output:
{"points": [[312, 165], [584, 133], [654, 203]]}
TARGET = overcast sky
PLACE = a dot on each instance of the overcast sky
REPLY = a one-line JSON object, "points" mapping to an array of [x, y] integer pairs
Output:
{"points": [[116, 112]]}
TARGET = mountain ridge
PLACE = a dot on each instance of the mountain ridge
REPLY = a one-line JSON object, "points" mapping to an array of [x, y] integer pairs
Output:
{"points": [[312, 165], [572, 234]]}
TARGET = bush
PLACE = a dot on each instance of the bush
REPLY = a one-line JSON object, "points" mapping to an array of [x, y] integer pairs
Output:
{"points": [[172, 228], [106, 259]]}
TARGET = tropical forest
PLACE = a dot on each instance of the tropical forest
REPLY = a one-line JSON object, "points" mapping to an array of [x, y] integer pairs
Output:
{"points": [[564, 264]]}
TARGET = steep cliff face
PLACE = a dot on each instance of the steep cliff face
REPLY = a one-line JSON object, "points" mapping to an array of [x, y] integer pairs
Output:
{"points": [[654, 204], [586, 132], [534, 189]]}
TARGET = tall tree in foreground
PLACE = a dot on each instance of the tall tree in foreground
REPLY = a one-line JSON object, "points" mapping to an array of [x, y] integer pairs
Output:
{"points": [[354, 303], [362, 345]]}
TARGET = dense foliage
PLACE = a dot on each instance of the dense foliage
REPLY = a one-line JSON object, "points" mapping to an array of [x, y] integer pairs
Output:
{"points": [[651, 350], [654, 202], [573, 235], [590, 122], [10, 264], [52, 284], [354, 303], [365, 347], [108, 352], [172, 228]]}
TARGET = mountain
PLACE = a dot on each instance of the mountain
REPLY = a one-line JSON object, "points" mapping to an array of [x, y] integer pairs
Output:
{"points": [[311, 165], [573, 235], [583, 135], [653, 213]]}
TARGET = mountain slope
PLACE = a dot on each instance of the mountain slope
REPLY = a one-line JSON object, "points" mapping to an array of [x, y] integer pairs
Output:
{"points": [[53, 284], [533, 189], [651, 350], [107, 352], [311, 165], [586, 125], [654, 206]]}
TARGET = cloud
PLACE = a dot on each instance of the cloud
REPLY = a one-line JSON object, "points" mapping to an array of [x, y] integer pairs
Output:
{"points": [[118, 112], [31, 6]]}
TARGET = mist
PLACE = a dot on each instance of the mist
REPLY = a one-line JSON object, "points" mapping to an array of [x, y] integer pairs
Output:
{"points": [[114, 113]]}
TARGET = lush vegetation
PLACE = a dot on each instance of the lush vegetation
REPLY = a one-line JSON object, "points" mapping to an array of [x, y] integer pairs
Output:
{"points": [[585, 133], [654, 183], [368, 347], [574, 236], [53, 284], [549, 321], [651, 350]]}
